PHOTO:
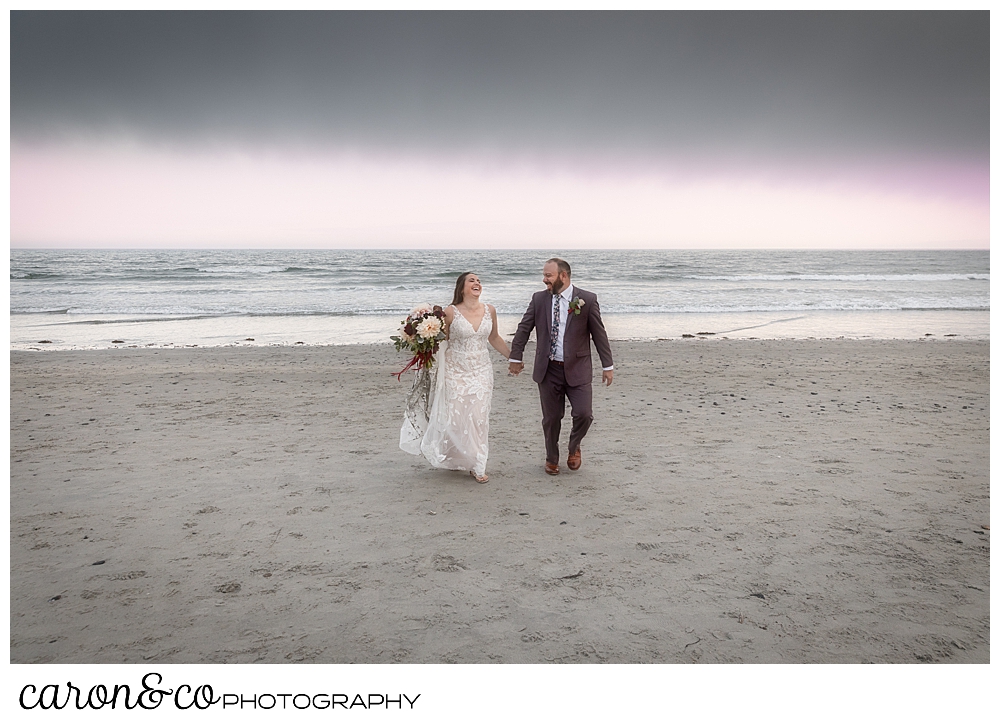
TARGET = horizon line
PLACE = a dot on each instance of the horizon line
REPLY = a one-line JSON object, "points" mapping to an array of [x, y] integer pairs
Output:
{"points": [[512, 248]]}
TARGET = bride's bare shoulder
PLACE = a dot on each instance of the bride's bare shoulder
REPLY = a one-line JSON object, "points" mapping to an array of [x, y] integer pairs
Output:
{"points": [[449, 312]]}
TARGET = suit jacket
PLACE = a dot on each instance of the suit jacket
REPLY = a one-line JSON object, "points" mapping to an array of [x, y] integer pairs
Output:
{"points": [[580, 329]]}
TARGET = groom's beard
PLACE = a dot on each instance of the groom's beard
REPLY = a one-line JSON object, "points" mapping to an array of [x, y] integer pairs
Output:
{"points": [[556, 286]]}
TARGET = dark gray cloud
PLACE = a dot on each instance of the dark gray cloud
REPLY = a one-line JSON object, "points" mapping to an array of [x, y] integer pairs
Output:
{"points": [[851, 82]]}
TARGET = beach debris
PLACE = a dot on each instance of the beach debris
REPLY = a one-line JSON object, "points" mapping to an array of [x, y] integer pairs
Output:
{"points": [[985, 527], [708, 333], [231, 587], [300, 343], [432, 512], [522, 513], [98, 563], [118, 341], [687, 336], [248, 339], [572, 575], [45, 341], [129, 576], [54, 598], [563, 522], [758, 595], [446, 564]]}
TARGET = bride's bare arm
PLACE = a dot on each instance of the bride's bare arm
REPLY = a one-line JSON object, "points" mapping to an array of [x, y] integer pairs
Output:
{"points": [[495, 339], [449, 317]]}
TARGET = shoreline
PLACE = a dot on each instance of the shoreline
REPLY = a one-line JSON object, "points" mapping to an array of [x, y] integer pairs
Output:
{"points": [[28, 331], [693, 338], [753, 501]]}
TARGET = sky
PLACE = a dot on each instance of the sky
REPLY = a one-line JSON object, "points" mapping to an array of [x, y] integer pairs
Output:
{"points": [[500, 129]]}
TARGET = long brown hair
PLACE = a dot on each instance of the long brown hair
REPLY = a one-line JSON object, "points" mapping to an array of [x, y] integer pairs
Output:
{"points": [[460, 289]]}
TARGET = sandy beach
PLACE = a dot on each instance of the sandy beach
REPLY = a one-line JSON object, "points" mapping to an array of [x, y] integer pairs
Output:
{"points": [[740, 501]]}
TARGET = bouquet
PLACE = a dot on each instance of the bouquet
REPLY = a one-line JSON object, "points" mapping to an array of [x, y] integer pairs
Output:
{"points": [[421, 334]]}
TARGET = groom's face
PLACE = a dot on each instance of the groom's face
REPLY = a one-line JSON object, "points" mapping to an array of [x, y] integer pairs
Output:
{"points": [[555, 280]]}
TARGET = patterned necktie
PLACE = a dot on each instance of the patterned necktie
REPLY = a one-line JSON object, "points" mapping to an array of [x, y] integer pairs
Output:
{"points": [[554, 338]]}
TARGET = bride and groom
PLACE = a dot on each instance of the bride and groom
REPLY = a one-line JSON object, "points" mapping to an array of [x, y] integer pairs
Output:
{"points": [[454, 433]]}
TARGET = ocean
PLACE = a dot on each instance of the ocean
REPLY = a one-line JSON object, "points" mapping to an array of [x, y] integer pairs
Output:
{"points": [[91, 299]]}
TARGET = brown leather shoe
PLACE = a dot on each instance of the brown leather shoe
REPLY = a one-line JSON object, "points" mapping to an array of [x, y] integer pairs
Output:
{"points": [[574, 460], [551, 468]]}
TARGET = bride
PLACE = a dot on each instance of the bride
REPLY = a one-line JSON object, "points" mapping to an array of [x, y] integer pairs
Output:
{"points": [[455, 433]]}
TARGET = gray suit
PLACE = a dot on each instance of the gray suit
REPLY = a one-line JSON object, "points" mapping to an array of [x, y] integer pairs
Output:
{"points": [[573, 378]]}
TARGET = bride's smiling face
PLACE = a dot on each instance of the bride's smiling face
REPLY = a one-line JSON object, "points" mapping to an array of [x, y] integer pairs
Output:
{"points": [[473, 287]]}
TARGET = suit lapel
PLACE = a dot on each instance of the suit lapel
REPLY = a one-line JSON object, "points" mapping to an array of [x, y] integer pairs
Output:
{"points": [[569, 316]]}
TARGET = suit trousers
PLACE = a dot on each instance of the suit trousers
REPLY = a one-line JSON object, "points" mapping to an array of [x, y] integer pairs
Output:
{"points": [[553, 392]]}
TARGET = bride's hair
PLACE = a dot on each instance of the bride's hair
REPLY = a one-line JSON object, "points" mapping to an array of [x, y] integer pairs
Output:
{"points": [[460, 289]]}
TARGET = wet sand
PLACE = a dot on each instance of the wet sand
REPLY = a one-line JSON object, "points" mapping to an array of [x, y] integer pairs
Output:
{"points": [[739, 501]]}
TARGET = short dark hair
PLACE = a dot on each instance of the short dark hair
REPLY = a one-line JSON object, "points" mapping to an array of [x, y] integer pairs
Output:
{"points": [[562, 264]]}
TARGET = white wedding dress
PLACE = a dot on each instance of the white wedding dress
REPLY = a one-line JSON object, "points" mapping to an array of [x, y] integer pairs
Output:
{"points": [[454, 433]]}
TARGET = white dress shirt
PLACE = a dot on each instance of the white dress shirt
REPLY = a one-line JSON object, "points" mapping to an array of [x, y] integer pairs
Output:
{"points": [[563, 299]]}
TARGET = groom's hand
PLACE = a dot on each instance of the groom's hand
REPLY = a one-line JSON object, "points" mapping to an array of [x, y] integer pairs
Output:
{"points": [[515, 368], [607, 376]]}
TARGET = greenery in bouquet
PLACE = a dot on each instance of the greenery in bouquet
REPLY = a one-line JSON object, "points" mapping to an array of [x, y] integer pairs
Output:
{"points": [[420, 334]]}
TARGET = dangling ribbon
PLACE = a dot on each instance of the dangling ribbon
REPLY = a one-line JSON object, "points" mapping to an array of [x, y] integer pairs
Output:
{"points": [[420, 359]]}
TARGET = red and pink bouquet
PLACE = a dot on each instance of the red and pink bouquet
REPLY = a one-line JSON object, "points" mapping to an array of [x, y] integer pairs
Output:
{"points": [[421, 334]]}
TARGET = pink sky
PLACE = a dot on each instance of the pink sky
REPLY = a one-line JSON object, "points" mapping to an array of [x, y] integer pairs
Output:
{"points": [[129, 195]]}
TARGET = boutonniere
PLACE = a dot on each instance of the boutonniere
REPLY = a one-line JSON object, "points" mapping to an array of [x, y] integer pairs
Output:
{"points": [[576, 305]]}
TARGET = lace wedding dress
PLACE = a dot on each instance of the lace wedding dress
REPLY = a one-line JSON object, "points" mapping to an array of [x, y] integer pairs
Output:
{"points": [[452, 431]]}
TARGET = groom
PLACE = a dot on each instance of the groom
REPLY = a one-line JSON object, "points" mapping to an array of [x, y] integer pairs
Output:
{"points": [[566, 318]]}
